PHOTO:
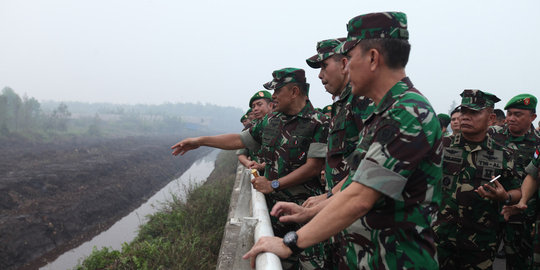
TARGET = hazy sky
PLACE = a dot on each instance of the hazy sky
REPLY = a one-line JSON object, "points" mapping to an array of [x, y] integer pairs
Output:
{"points": [[221, 52]]}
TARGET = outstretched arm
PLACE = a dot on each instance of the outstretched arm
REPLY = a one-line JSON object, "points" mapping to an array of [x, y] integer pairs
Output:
{"points": [[224, 141]]}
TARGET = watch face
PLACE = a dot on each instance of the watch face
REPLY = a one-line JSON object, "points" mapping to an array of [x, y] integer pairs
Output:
{"points": [[275, 184], [289, 238]]}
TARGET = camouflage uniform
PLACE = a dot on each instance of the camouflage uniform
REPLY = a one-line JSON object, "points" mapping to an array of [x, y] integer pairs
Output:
{"points": [[399, 155], [533, 169], [467, 224], [287, 141], [345, 124], [350, 111], [518, 230]]}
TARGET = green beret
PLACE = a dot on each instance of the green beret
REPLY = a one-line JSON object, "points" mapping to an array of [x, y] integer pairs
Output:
{"points": [[327, 108], [477, 100], [325, 49], [522, 101], [285, 76], [259, 95], [444, 119], [244, 117], [374, 26], [248, 111]]}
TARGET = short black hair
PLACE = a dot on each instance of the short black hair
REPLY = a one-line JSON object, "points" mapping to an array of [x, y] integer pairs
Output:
{"points": [[304, 87], [444, 122], [455, 110], [500, 114], [394, 51]]}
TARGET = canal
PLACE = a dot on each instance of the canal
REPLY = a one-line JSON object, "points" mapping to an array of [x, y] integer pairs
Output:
{"points": [[125, 230]]}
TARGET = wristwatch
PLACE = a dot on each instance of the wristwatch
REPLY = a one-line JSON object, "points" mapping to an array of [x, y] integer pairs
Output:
{"points": [[289, 240], [329, 194], [275, 184], [508, 200]]}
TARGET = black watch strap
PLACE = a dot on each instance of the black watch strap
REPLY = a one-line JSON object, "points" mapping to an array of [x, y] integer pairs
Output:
{"points": [[289, 240], [508, 200], [329, 194]]}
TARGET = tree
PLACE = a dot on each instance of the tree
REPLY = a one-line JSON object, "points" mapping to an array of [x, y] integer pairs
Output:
{"points": [[59, 118], [95, 127], [11, 111]]}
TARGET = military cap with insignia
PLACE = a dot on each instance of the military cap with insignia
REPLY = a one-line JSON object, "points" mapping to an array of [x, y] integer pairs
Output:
{"points": [[477, 100], [522, 101], [285, 76], [374, 26], [244, 117], [327, 109], [260, 94], [325, 49]]}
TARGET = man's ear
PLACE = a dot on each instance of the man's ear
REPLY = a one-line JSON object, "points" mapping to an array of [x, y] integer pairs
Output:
{"points": [[375, 60]]}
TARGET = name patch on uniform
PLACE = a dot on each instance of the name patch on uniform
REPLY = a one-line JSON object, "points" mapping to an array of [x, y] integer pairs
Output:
{"points": [[487, 159], [453, 155]]}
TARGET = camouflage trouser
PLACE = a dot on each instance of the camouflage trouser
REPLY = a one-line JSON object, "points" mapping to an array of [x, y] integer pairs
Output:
{"points": [[316, 257], [453, 256], [536, 247], [518, 245], [380, 250]]}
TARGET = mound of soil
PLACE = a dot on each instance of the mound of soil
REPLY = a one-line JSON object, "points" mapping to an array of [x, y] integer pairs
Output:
{"points": [[56, 196]]}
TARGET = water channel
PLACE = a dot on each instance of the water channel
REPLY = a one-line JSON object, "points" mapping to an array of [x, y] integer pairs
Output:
{"points": [[126, 228]]}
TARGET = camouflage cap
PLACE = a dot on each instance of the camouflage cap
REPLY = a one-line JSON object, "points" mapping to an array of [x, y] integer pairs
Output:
{"points": [[522, 101], [374, 25], [477, 100], [259, 95], [325, 49], [285, 76], [327, 108]]}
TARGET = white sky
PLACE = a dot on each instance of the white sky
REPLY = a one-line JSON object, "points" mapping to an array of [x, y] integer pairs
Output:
{"points": [[221, 52]]}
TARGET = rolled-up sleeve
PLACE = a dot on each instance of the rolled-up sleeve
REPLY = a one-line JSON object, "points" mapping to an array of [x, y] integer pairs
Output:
{"points": [[248, 140], [381, 179], [317, 150]]}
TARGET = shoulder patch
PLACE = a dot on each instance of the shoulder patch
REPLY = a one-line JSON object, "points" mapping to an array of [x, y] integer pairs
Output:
{"points": [[386, 133]]}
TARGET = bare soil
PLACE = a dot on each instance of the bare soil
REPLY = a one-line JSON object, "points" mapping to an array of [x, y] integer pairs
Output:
{"points": [[57, 195]]}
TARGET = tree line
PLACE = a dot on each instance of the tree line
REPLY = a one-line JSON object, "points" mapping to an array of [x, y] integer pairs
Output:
{"points": [[27, 117]]}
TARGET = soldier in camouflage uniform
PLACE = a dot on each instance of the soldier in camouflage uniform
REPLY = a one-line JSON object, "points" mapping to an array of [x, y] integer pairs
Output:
{"points": [[349, 111], [244, 120], [468, 221], [292, 142], [260, 103], [519, 135], [392, 197], [529, 190]]}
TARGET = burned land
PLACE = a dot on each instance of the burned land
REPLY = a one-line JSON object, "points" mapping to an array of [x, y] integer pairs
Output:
{"points": [[54, 196]]}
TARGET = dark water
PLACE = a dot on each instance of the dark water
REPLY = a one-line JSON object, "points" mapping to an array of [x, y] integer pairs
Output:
{"points": [[126, 228]]}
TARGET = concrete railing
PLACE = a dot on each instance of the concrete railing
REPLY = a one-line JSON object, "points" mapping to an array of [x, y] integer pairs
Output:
{"points": [[248, 220]]}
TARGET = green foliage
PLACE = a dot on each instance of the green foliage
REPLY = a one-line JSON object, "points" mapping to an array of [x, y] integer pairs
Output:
{"points": [[184, 234]]}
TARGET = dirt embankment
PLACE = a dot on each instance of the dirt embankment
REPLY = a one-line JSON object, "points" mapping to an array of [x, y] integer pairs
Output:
{"points": [[55, 196]]}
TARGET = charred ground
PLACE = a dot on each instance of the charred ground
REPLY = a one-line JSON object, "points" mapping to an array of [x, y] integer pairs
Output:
{"points": [[55, 196]]}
